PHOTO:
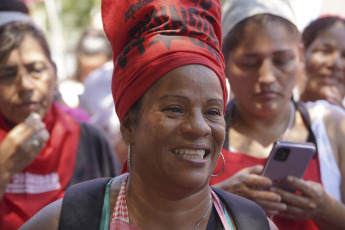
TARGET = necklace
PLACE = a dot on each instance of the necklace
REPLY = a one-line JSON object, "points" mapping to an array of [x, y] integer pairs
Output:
{"points": [[208, 208], [291, 119]]}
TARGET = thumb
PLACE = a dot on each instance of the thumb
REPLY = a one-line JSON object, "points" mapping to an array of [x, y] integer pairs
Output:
{"points": [[256, 169]]}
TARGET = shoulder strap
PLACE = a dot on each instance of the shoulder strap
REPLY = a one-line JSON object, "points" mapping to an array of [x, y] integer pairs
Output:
{"points": [[82, 205], [306, 118], [246, 214]]}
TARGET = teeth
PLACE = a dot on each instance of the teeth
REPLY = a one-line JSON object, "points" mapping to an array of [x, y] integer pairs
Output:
{"points": [[190, 153]]}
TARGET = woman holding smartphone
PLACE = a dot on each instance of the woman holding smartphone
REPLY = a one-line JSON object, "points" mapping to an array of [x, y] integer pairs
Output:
{"points": [[264, 57]]}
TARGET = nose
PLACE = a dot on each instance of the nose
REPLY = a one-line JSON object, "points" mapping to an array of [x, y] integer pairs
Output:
{"points": [[25, 85], [266, 73], [25, 81], [195, 125]]}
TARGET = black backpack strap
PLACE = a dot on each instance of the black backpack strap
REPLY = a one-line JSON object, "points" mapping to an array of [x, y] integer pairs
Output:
{"points": [[82, 205], [306, 118], [246, 214]]}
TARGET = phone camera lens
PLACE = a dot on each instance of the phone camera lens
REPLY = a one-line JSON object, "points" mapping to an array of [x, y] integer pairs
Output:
{"points": [[282, 154]]}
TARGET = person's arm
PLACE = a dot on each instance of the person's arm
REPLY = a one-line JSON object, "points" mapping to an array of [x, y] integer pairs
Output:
{"points": [[245, 182], [46, 218], [18, 149]]}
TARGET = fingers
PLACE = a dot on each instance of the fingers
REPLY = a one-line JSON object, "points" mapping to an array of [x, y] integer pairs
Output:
{"points": [[311, 199], [295, 200], [39, 139], [307, 188], [256, 169], [271, 208], [249, 178], [35, 132], [27, 138]]}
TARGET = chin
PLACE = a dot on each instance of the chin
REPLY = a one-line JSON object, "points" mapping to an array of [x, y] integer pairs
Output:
{"points": [[194, 180]]}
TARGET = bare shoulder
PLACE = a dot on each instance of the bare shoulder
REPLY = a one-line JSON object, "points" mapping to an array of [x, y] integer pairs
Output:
{"points": [[46, 218], [333, 116]]}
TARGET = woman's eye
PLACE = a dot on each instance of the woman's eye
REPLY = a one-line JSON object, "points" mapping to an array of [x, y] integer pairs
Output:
{"points": [[36, 71], [250, 63], [6, 75], [324, 50], [214, 112], [282, 61], [174, 109]]}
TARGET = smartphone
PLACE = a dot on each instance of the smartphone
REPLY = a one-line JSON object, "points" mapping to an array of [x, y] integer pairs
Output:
{"points": [[288, 159]]}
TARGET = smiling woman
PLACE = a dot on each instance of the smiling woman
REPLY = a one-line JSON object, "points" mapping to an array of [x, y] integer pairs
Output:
{"points": [[325, 60], [169, 91]]}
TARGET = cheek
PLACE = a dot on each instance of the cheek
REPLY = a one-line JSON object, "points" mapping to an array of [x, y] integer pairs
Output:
{"points": [[313, 64], [218, 132], [46, 89], [6, 96]]}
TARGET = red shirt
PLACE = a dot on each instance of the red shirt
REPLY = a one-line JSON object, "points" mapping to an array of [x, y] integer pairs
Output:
{"points": [[237, 161]]}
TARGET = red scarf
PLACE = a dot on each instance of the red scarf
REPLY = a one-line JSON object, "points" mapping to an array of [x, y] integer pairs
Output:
{"points": [[149, 38], [238, 161], [47, 177]]}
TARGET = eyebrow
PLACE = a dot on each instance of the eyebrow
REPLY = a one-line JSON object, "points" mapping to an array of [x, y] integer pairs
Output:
{"points": [[7, 68], [176, 96], [185, 98], [283, 51]]}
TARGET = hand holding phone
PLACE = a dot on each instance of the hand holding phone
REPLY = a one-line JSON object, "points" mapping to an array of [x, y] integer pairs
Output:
{"points": [[288, 159]]}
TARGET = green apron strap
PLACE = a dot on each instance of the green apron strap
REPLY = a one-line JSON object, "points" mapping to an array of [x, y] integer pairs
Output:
{"points": [[106, 207]]}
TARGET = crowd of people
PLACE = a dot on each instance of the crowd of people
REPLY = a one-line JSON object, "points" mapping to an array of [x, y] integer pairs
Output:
{"points": [[157, 108]]}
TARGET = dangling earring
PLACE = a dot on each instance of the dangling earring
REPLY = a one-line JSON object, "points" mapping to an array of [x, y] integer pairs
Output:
{"points": [[129, 158], [222, 168]]}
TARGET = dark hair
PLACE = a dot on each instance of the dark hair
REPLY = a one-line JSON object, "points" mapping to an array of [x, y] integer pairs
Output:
{"points": [[89, 38], [12, 35], [318, 26], [13, 5], [235, 36]]}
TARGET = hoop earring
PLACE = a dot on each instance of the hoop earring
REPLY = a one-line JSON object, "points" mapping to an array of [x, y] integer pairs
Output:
{"points": [[129, 158], [222, 168]]}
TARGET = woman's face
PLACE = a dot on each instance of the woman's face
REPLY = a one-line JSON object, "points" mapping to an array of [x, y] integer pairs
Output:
{"points": [[27, 81], [181, 128], [264, 67], [325, 63]]}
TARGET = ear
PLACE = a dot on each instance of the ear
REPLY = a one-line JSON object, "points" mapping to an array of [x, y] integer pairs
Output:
{"points": [[126, 129]]}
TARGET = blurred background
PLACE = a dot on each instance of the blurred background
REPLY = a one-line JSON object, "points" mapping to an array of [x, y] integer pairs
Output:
{"points": [[64, 21]]}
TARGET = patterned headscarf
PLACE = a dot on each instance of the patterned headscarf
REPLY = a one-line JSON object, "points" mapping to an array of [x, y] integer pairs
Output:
{"points": [[152, 37]]}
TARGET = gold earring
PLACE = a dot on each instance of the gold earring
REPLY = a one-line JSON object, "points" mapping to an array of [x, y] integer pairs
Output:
{"points": [[222, 168]]}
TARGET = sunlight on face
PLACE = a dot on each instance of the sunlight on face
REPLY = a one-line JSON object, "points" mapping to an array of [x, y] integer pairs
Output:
{"points": [[181, 128], [325, 62]]}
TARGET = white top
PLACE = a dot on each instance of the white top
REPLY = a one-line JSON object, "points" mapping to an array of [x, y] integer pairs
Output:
{"points": [[330, 173], [97, 99]]}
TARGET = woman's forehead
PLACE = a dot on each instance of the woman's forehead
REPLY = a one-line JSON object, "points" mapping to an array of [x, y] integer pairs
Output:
{"points": [[188, 77], [260, 37]]}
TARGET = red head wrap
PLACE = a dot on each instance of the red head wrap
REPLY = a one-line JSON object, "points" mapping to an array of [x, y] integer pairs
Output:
{"points": [[152, 37]]}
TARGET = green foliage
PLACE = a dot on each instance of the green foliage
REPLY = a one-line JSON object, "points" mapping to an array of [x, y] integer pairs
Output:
{"points": [[77, 14]]}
